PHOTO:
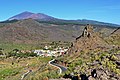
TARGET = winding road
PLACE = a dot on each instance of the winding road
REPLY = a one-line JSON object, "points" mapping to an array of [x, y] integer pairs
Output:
{"points": [[61, 68], [25, 74]]}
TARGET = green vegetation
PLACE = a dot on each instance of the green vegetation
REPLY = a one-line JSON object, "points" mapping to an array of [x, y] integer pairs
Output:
{"points": [[82, 62], [44, 75], [18, 61], [10, 46], [8, 72], [7, 47], [13, 68], [25, 55]]}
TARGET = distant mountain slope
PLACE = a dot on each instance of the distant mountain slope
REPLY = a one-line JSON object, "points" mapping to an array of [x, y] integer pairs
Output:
{"points": [[97, 22], [44, 17], [27, 15], [33, 31]]}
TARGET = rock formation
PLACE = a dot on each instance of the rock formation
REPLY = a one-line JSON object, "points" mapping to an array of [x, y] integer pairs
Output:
{"points": [[89, 40]]}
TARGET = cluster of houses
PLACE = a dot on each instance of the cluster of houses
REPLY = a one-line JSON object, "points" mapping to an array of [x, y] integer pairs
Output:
{"points": [[48, 52]]}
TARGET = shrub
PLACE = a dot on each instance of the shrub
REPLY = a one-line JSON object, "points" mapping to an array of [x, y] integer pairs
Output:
{"points": [[113, 57], [8, 72], [15, 54]]}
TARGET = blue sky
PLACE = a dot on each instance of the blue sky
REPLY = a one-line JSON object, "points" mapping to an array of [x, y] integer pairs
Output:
{"points": [[101, 10]]}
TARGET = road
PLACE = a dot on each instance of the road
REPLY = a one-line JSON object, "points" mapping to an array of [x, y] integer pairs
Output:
{"points": [[25, 74], [61, 68]]}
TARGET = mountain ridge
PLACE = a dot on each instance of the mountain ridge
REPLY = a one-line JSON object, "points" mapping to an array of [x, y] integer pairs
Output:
{"points": [[44, 17]]}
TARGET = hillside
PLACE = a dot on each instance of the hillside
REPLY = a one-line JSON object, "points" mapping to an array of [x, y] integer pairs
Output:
{"points": [[33, 31], [92, 54], [29, 31], [114, 37]]}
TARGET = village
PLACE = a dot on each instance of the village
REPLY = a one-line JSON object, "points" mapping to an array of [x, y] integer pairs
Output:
{"points": [[47, 51]]}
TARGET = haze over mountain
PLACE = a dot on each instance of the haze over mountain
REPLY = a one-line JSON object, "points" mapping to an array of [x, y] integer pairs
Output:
{"points": [[27, 15], [44, 17]]}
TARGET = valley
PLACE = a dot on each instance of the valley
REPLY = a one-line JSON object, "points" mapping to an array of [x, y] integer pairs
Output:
{"points": [[35, 46]]}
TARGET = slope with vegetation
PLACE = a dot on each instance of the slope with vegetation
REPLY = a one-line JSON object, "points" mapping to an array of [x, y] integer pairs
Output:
{"points": [[13, 68], [90, 53]]}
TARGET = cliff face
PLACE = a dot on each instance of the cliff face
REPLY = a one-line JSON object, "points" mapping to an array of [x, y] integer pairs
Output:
{"points": [[89, 40]]}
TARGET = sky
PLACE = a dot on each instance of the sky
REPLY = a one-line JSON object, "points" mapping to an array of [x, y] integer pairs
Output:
{"points": [[100, 10]]}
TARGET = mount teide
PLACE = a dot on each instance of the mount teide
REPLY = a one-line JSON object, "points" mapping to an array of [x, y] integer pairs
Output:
{"points": [[44, 17], [28, 15]]}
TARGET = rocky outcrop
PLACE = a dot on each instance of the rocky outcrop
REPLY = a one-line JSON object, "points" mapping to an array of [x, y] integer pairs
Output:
{"points": [[89, 40]]}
